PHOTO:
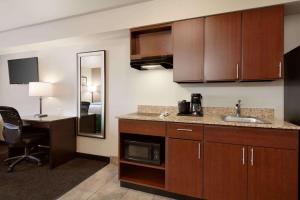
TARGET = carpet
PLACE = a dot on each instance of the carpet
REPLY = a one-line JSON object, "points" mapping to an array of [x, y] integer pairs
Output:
{"points": [[29, 182]]}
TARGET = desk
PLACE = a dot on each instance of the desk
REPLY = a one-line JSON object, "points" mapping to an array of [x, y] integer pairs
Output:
{"points": [[62, 135]]}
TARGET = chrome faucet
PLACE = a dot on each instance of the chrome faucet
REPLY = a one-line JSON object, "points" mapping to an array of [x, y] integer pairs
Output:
{"points": [[238, 108]]}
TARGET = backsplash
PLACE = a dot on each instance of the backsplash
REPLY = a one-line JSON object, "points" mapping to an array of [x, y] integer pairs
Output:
{"points": [[262, 113]]}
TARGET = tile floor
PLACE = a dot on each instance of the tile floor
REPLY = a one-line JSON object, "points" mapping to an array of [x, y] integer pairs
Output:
{"points": [[104, 185]]}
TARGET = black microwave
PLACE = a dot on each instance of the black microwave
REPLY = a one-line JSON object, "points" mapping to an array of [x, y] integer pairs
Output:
{"points": [[143, 152]]}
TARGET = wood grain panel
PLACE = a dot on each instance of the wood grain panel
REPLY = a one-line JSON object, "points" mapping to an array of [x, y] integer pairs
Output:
{"points": [[273, 174], [185, 167], [188, 50], [62, 141], [262, 43], [225, 175], [222, 47], [142, 127], [252, 136], [185, 131], [150, 41]]}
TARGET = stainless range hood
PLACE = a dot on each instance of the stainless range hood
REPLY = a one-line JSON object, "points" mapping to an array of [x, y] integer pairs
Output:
{"points": [[142, 63]]}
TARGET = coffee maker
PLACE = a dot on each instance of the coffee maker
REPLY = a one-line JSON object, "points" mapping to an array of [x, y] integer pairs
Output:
{"points": [[196, 104]]}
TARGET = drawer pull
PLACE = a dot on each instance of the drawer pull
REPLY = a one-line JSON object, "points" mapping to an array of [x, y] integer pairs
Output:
{"points": [[243, 155], [252, 157], [199, 150], [237, 71], [184, 129], [280, 70]]}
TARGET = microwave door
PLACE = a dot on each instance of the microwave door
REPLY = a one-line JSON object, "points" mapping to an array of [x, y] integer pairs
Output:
{"points": [[138, 151]]}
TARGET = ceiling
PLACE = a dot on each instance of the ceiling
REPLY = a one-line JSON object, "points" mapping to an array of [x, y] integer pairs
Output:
{"points": [[292, 8], [20, 13]]}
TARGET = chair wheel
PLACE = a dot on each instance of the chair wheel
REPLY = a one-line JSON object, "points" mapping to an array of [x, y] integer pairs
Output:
{"points": [[10, 169]]}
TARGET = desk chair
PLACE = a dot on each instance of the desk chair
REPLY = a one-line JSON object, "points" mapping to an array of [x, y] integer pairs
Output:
{"points": [[18, 135]]}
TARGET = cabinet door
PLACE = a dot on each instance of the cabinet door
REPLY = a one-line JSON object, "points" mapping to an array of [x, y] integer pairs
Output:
{"points": [[262, 43], [222, 47], [188, 36], [184, 167], [225, 167], [272, 174]]}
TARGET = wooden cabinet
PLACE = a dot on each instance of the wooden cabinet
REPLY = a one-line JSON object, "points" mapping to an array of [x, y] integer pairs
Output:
{"points": [[188, 50], [225, 171], [185, 131], [214, 162], [151, 41], [184, 167], [262, 43], [250, 163], [222, 58], [272, 173]]}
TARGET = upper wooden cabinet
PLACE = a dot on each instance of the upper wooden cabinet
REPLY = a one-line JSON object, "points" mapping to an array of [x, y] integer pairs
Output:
{"points": [[237, 46], [262, 43], [151, 41], [222, 47], [188, 50]]}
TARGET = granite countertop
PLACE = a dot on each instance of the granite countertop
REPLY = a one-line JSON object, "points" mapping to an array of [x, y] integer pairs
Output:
{"points": [[209, 120]]}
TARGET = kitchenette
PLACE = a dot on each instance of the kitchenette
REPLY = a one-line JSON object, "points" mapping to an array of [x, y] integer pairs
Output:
{"points": [[191, 151]]}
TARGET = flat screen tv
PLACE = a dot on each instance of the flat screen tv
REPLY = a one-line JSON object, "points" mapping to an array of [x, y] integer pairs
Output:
{"points": [[23, 71]]}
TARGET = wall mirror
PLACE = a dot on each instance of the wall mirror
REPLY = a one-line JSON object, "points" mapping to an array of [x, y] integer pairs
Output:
{"points": [[91, 94]]}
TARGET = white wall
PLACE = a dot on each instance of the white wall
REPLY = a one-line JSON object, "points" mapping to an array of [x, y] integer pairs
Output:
{"points": [[291, 32], [126, 87], [150, 12]]}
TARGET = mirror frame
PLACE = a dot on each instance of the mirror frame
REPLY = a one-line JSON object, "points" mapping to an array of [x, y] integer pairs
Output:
{"points": [[103, 92]]}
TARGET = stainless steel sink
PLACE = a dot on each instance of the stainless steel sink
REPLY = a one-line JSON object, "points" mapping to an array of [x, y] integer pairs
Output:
{"points": [[244, 119]]}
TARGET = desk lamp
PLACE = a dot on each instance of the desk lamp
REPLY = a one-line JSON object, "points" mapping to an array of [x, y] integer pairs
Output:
{"points": [[40, 89]]}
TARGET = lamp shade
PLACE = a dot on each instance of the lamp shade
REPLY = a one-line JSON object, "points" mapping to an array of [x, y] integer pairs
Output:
{"points": [[92, 88], [40, 89]]}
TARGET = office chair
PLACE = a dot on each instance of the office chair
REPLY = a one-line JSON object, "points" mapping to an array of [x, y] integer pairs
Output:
{"points": [[84, 107], [18, 135]]}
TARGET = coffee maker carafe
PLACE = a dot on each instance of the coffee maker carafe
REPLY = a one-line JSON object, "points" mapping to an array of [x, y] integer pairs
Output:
{"points": [[196, 104]]}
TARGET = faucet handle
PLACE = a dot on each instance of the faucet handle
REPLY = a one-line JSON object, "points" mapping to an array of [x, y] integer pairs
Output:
{"points": [[239, 101]]}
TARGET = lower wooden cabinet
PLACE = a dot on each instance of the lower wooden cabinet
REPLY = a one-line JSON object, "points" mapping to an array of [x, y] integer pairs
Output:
{"points": [[225, 169], [246, 172], [272, 173], [215, 162], [184, 173]]}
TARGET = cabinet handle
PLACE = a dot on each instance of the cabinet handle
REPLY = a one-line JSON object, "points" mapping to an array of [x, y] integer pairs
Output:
{"points": [[184, 129], [243, 156], [237, 71], [280, 70], [252, 157], [199, 150]]}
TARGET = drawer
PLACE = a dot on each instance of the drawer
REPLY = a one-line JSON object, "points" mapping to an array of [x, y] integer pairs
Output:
{"points": [[185, 131], [276, 138], [142, 127]]}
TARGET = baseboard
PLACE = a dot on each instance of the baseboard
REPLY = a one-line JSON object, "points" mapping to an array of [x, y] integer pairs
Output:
{"points": [[93, 157], [156, 191]]}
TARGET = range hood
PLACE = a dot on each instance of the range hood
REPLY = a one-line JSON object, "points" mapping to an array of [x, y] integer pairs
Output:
{"points": [[147, 62]]}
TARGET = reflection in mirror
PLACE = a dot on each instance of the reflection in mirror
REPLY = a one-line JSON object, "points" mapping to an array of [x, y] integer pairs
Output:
{"points": [[91, 94]]}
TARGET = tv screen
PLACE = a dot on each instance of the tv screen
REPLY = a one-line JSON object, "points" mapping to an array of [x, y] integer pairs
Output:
{"points": [[23, 71]]}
